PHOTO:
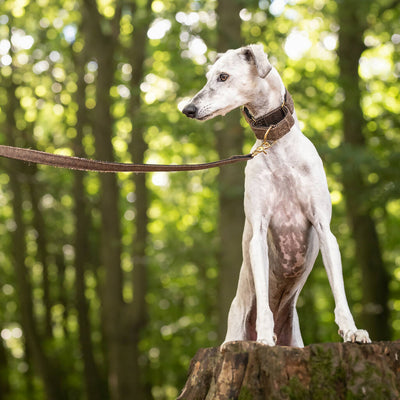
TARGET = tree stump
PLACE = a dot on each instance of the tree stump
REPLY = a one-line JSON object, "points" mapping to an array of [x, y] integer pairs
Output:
{"points": [[249, 370]]}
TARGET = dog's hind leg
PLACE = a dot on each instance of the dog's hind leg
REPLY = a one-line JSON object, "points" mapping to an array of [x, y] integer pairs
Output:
{"points": [[287, 326], [297, 340], [241, 307], [312, 252]]}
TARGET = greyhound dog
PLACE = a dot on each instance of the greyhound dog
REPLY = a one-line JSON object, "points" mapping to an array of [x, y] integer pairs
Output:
{"points": [[287, 204]]}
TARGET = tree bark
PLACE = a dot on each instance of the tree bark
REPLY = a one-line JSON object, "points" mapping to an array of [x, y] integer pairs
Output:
{"points": [[102, 45], [249, 370], [137, 147], [40, 227], [122, 321], [375, 315], [94, 385], [230, 137]]}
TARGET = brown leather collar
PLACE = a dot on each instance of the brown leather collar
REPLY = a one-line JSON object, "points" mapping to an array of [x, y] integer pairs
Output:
{"points": [[278, 121]]}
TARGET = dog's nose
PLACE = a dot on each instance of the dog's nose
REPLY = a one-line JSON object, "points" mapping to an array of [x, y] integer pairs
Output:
{"points": [[190, 110]]}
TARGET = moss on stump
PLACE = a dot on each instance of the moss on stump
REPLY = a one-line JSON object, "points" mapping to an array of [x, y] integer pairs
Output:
{"points": [[249, 370]]}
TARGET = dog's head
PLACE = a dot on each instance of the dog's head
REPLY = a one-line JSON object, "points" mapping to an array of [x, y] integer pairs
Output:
{"points": [[231, 82]]}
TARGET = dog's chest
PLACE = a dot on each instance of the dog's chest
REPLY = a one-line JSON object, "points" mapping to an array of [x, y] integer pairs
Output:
{"points": [[288, 241], [278, 192]]}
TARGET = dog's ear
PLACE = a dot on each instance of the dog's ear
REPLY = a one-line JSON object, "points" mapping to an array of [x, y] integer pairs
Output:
{"points": [[255, 53]]}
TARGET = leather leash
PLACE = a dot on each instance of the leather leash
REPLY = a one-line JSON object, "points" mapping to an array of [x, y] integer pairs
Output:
{"points": [[84, 164], [269, 128]]}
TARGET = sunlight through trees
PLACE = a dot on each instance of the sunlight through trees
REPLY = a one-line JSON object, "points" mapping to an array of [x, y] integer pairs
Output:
{"points": [[110, 283]]}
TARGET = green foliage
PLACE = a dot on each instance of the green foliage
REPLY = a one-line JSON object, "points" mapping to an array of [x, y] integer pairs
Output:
{"points": [[41, 47]]}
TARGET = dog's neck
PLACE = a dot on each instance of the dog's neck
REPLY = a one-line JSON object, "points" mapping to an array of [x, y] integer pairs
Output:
{"points": [[269, 95], [271, 114]]}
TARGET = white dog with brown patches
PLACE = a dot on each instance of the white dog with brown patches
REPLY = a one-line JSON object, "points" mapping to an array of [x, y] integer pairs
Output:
{"points": [[287, 204]]}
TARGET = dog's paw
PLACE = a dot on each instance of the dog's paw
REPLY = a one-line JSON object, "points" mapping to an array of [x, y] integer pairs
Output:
{"points": [[224, 346], [268, 342], [357, 336]]}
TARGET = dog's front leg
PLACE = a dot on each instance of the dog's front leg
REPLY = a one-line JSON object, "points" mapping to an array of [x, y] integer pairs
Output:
{"points": [[260, 269], [242, 303], [332, 261]]}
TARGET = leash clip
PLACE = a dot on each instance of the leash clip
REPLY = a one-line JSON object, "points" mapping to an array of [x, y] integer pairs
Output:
{"points": [[265, 145]]}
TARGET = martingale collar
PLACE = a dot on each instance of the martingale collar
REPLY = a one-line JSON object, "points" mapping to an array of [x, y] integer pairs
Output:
{"points": [[277, 123]]}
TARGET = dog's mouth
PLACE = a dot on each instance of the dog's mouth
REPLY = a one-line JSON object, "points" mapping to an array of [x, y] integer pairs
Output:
{"points": [[215, 113], [199, 116], [205, 113], [205, 117]]}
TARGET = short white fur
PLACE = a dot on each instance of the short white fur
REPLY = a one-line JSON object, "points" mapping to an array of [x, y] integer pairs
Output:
{"points": [[287, 206]]}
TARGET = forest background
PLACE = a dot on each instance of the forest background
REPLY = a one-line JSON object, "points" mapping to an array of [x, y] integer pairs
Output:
{"points": [[110, 283]]}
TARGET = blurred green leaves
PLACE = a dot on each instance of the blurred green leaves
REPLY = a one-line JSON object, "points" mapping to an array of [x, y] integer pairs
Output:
{"points": [[40, 43]]}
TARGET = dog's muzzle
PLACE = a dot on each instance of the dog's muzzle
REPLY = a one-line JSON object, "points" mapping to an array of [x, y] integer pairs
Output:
{"points": [[190, 110]]}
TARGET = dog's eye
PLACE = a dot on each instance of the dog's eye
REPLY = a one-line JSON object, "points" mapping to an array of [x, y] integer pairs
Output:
{"points": [[223, 77]]}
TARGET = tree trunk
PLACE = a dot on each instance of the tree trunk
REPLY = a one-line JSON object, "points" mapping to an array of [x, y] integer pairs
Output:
{"points": [[40, 227], [230, 137], [117, 315], [375, 316], [138, 146], [113, 304], [249, 370], [102, 47], [94, 385]]}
